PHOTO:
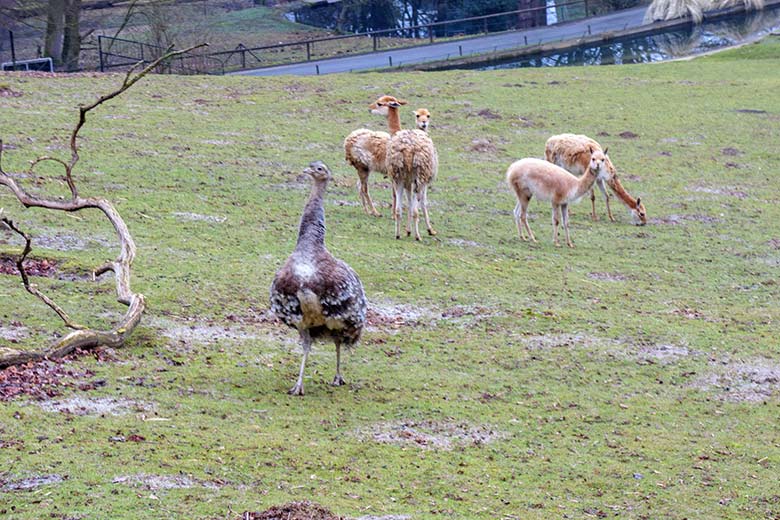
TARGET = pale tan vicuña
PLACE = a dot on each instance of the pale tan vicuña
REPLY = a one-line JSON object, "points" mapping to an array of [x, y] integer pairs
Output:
{"points": [[572, 153], [530, 178], [412, 164]]}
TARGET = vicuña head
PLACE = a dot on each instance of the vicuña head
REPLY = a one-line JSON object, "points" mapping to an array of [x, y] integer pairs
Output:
{"points": [[382, 105], [422, 118], [318, 171], [598, 163]]}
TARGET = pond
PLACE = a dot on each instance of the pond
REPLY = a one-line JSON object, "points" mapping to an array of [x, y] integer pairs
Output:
{"points": [[667, 45]]}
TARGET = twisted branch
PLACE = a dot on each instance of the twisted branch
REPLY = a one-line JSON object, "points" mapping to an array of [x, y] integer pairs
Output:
{"points": [[82, 337]]}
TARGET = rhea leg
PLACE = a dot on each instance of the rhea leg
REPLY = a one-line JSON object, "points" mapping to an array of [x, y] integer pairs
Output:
{"points": [[424, 204], [338, 380], [565, 218], [306, 344], [600, 184]]}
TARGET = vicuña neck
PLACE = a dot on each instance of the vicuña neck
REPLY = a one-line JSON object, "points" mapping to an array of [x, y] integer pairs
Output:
{"points": [[393, 120], [311, 232], [621, 192], [586, 182]]}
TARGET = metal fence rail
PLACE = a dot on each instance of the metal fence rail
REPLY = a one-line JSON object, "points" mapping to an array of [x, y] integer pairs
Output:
{"points": [[119, 52]]}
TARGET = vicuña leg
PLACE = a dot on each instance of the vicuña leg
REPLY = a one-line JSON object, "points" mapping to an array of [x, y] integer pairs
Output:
{"points": [[424, 204], [398, 190], [409, 211], [414, 211], [555, 221], [524, 217], [600, 184], [593, 205], [565, 218]]}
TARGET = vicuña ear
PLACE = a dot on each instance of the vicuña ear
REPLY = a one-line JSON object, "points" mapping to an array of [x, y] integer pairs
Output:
{"points": [[638, 201], [591, 149], [606, 150], [402, 101]]}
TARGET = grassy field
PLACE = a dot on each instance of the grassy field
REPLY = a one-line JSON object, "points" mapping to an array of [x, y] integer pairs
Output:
{"points": [[636, 376]]}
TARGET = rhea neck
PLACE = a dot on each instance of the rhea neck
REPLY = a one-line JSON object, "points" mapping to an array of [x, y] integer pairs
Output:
{"points": [[393, 120], [311, 233]]}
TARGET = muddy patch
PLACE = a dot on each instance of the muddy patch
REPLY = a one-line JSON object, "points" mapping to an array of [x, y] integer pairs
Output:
{"points": [[628, 134], [482, 146], [464, 243], [486, 113], [384, 315], [97, 406], [196, 217], [607, 277], [293, 511], [742, 381], [664, 354], [30, 483], [726, 191], [63, 242], [679, 220], [158, 482], [554, 341], [429, 434], [14, 332]]}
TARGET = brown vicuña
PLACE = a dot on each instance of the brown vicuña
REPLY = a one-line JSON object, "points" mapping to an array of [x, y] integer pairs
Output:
{"points": [[366, 149], [572, 153], [530, 178]]}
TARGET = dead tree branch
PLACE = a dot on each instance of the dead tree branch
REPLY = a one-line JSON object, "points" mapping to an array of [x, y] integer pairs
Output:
{"points": [[82, 337]]}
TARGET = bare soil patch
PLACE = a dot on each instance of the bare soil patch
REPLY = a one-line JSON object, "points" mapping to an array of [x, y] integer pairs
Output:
{"points": [[430, 434], [678, 220], [608, 277], [552, 341], [628, 134], [489, 114], [196, 217], [97, 406], [730, 152], [742, 381], [393, 316], [482, 146], [663, 354], [157, 482], [30, 483], [774, 243], [293, 511], [14, 332], [726, 191]]}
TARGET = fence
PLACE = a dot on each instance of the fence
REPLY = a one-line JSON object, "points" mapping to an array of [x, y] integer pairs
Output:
{"points": [[118, 52]]}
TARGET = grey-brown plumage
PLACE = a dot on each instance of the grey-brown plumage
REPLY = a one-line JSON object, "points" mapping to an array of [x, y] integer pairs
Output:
{"points": [[314, 292]]}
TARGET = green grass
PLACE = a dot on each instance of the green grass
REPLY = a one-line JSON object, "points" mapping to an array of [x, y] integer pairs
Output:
{"points": [[550, 348]]}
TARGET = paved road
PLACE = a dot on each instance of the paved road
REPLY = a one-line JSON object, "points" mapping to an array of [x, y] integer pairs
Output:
{"points": [[571, 30]]}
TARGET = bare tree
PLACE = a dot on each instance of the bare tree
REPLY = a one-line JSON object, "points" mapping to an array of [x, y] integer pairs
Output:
{"points": [[81, 336]]}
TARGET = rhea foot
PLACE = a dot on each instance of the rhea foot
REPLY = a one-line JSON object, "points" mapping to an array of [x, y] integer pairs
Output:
{"points": [[338, 381], [297, 389]]}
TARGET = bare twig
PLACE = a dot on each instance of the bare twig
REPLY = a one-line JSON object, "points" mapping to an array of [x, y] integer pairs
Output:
{"points": [[82, 337]]}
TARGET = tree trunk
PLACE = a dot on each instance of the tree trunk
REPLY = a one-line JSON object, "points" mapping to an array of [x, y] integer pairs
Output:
{"points": [[55, 16], [71, 41]]}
